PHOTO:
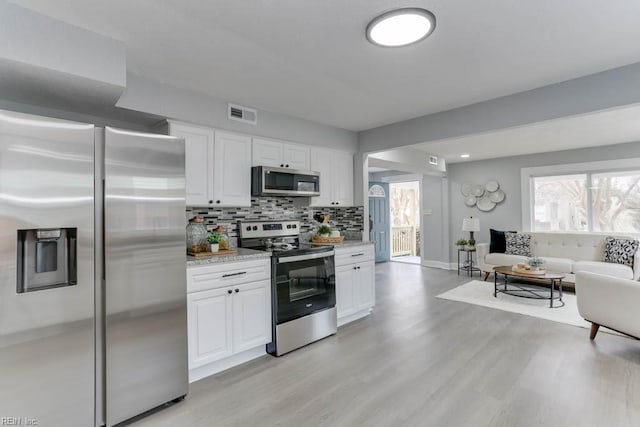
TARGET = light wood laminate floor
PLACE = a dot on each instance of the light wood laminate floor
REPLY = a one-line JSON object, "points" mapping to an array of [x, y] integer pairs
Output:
{"points": [[418, 360]]}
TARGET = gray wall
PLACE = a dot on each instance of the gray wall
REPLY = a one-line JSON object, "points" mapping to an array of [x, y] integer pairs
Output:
{"points": [[167, 101], [596, 92], [508, 214], [435, 230]]}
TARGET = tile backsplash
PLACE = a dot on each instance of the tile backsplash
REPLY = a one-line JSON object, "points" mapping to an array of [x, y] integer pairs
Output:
{"points": [[349, 220]]}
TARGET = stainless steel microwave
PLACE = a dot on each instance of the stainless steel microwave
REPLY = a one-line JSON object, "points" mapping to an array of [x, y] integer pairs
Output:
{"points": [[269, 181]]}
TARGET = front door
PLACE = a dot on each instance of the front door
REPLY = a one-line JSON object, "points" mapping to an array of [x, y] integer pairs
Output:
{"points": [[379, 219]]}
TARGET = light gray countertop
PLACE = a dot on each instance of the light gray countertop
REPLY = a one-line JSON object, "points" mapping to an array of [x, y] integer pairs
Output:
{"points": [[248, 254], [349, 243], [241, 255]]}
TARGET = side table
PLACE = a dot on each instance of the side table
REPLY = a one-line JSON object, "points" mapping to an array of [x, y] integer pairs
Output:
{"points": [[467, 262]]}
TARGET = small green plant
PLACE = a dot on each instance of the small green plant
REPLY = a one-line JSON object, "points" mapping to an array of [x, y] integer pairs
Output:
{"points": [[214, 238], [324, 229], [461, 242], [535, 262]]}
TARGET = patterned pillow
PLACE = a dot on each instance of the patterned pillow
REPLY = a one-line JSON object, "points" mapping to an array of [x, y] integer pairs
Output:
{"points": [[620, 251], [518, 244]]}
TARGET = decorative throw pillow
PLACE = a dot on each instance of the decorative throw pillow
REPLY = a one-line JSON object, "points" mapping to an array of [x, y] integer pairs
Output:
{"points": [[518, 244], [498, 243], [620, 251]]}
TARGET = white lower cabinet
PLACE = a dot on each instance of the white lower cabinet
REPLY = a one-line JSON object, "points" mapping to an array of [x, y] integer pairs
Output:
{"points": [[210, 320], [229, 318], [345, 290], [355, 282], [251, 316]]}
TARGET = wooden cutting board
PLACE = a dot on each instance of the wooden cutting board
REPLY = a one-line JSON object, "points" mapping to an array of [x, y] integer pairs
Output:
{"points": [[220, 252]]}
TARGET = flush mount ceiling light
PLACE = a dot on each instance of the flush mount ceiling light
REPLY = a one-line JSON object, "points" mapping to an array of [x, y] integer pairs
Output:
{"points": [[401, 27], [465, 156]]}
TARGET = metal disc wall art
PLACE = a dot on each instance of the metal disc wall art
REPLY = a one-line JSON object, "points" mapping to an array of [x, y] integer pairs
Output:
{"points": [[484, 197]]}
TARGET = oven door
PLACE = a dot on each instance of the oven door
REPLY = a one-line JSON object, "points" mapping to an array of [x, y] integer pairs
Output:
{"points": [[303, 284]]}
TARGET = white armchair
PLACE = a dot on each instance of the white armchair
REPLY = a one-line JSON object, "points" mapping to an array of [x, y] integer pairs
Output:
{"points": [[609, 301]]}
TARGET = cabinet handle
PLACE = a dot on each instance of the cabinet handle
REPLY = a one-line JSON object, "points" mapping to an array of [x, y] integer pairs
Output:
{"points": [[237, 290], [282, 165], [210, 201], [332, 203], [337, 203], [358, 267], [234, 274], [355, 268], [360, 254], [218, 201], [286, 166], [229, 291]]}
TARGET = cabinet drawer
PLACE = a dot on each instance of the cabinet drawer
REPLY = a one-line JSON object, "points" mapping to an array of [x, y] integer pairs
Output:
{"points": [[354, 254], [227, 274]]}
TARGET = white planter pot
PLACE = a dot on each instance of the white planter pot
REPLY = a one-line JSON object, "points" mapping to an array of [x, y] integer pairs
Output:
{"points": [[215, 247], [324, 235]]}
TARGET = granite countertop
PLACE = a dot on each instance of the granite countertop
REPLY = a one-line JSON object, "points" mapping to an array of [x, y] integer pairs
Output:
{"points": [[241, 255], [347, 243]]}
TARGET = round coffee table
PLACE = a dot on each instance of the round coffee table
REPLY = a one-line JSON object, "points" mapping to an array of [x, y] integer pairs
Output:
{"points": [[550, 278]]}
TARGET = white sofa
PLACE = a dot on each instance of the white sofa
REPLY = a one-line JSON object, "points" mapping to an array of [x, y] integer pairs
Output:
{"points": [[567, 253], [610, 302]]}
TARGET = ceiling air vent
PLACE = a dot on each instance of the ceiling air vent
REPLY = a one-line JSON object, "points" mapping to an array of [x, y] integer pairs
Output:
{"points": [[433, 160], [243, 114]]}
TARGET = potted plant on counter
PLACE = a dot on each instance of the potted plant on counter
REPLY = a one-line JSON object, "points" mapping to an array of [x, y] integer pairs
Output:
{"points": [[324, 230], [461, 243], [214, 239]]}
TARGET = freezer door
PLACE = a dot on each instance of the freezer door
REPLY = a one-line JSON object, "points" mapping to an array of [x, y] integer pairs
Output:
{"points": [[46, 308], [145, 273]]}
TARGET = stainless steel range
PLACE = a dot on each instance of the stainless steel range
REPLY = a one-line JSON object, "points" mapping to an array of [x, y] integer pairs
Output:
{"points": [[303, 286]]}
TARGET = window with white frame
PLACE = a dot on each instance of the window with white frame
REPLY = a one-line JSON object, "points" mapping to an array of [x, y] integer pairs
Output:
{"points": [[598, 201]]}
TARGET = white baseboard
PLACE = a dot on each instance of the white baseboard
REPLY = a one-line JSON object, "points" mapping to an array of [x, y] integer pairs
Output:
{"points": [[224, 364], [355, 316], [438, 264]]}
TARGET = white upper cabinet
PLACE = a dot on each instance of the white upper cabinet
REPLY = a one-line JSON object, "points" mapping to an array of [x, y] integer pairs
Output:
{"points": [[232, 170], [296, 157], [217, 166], [198, 158], [268, 152], [336, 177], [342, 174]]}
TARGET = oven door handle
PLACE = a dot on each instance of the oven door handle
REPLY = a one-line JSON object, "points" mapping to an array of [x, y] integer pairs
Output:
{"points": [[304, 257]]}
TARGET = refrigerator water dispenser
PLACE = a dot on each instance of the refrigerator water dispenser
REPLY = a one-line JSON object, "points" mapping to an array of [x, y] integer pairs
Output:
{"points": [[46, 259]]}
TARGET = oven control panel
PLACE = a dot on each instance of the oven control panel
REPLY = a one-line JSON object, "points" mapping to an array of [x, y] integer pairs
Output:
{"points": [[261, 229]]}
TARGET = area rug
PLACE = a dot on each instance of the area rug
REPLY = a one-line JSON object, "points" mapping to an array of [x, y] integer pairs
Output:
{"points": [[481, 293]]}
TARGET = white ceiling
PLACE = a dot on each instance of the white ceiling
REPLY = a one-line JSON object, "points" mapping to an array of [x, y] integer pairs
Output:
{"points": [[310, 58], [590, 130]]}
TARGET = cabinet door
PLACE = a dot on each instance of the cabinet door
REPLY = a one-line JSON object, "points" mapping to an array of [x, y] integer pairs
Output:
{"points": [[267, 153], [198, 162], [321, 162], [342, 174], [297, 157], [210, 332], [345, 290], [232, 170], [251, 315], [365, 288]]}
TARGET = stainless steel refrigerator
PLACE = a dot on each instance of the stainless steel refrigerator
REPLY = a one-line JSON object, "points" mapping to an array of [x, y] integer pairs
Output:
{"points": [[92, 272]]}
